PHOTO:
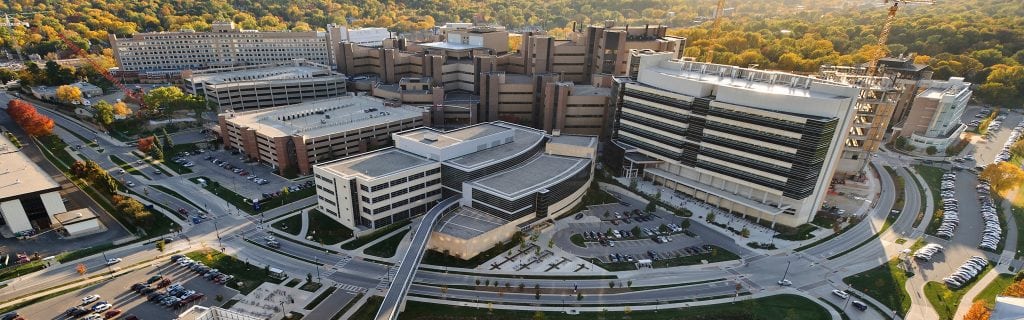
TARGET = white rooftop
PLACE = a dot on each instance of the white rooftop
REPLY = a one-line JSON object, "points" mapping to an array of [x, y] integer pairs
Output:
{"points": [[376, 164], [537, 173], [657, 67], [20, 175], [319, 118], [269, 73]]}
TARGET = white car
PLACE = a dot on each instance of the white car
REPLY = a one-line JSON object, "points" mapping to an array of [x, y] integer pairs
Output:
{"points": [[102, 306], [785, 282], [130, 184], [841, 294], [94, 316], [90, 298], [113, 261]]}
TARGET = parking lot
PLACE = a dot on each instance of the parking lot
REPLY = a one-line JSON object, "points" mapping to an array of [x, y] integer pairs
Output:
{"points": [[232, 172], [986, 149], [599, 233], [117, 292]]}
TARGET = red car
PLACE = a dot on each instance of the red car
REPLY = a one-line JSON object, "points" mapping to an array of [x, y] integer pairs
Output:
{"points": [[112, 313]]}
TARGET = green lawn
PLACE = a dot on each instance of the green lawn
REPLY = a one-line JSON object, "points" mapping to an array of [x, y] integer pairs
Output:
{"points": [[127, 167], [361, 241], [994, 288], [1018, 216], [717, 255], [247, 277], [326, 230], [386, 248], [946, 301], [885, 283], [933, 177], [369, 309], [784, 306], [801, 232], [578, 240], [245, 204], [899, 185], [920, 210], [291, 225]]}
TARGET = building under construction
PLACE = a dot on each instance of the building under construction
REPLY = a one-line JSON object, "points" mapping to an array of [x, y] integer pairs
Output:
{"points": [[874, 110]]}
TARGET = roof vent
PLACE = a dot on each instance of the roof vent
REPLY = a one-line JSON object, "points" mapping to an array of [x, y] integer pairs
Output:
{"points": [[430, 136]]}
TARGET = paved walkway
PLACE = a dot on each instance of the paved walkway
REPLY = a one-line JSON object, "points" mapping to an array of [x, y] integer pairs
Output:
{"points": [[334, 302]]}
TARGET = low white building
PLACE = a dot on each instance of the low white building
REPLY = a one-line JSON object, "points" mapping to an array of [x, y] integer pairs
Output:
{"points": [[934, 117], [50, 93], [29, 197], [76, 223]]}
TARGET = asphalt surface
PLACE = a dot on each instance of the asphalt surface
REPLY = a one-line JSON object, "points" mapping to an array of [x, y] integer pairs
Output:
{"points": [[117, 292]]}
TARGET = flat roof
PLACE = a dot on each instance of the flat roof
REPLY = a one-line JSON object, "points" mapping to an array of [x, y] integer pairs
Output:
{"points": [[450, 46], [74, 216], [576, 140], [522, 139], [767, 81], [322, 117], [467, 223], [19, 174], [538, 172], [376, 164], [590, 90], [267, 73], [443, 139]]}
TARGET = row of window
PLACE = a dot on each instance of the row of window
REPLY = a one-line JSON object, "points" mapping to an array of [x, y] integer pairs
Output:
{"points": [[402, 180], [400, 203]]}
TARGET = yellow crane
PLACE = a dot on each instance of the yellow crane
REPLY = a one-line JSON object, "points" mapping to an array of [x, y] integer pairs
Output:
{"points": [[714, 31], [883, 38]]}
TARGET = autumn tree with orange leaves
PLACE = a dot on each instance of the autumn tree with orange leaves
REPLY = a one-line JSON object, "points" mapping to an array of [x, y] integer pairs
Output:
{"points": [[978, 311], [26, 116]]}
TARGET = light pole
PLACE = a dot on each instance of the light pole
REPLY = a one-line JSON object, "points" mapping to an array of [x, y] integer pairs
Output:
{"points": [[784, 274], [316, 263]]}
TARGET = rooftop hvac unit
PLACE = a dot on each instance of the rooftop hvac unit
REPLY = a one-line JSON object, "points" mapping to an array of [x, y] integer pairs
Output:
{"points": [[430, 136]]}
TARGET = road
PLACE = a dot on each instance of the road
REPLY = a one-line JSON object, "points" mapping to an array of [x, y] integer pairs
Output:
{"points": [[410, 260]]}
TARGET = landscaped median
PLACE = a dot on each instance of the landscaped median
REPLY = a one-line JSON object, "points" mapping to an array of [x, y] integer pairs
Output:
{"points": [[247, 276], [944, 300], [245, 204], [885, 283], [386, 248], [784, 306]]}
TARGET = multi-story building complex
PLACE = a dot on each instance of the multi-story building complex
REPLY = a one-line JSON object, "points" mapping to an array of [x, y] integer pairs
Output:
{"points": [[548, 83], [29, 197], [293, 138], [909, 77], [758, 143], [371, 37], [265, 85], [875, 105], [223, 46], [504, 175], [934, 118]]}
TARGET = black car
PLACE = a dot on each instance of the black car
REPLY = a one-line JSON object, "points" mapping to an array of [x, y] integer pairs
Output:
{"points": [[859, 305]]}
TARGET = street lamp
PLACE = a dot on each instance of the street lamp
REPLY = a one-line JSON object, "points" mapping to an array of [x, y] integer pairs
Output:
{"points": [[317, 265]]}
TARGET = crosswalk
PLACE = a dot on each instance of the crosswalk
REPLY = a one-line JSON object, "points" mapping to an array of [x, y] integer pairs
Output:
{"points": [[385, 281], [338, 265], [351, 288]]}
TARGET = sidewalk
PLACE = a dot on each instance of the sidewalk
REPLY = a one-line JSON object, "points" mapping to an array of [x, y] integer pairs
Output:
{"points": [[968, 299]]}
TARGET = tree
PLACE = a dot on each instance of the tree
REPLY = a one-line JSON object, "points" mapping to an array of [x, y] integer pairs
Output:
{"points": [[551, 243], [1015, 290], [68, 93], [931, 150], [978, 311], [651, 206], [711, 217], [579, 296], [745, 232], [611, 284], [81, 269], [104, 113], [156, 153], [26, 116], [160, 245], [629, 283], [145, 144], [1003, 176], [684, 224], [309, 277], [168, 144], [121, 109]]}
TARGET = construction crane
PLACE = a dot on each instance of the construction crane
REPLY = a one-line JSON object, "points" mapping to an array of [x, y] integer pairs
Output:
{"points": [[883, 38], [714, 31], [128, 93]]}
